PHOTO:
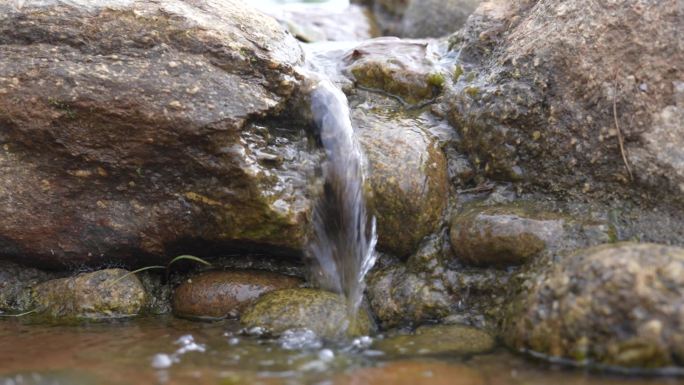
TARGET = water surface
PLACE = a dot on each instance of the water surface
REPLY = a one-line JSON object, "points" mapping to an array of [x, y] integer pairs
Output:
{"points": [[216, 353]]}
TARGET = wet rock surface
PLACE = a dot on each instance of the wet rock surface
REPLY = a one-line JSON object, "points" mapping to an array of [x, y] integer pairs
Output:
{"points": [[103, 294], [131, 128], [407, 175], [565, 116], [502, 236], [617, 305], [439, 339], [221, 294], [402, 68], [400, 297], [322, 312], [15, 284]]}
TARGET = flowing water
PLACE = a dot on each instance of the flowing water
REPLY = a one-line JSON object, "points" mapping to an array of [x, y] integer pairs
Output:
{"points": [[344, 238]]}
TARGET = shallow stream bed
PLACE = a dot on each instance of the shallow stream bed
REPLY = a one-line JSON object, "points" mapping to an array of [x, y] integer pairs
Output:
{"points": [[166, 350]]}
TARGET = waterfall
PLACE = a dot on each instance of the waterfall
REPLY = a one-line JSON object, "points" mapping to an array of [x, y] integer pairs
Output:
{"points": [[344, 237]]}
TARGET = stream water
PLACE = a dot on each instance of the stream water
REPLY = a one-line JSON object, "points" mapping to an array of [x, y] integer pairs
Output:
{"points": [[167, 350]]}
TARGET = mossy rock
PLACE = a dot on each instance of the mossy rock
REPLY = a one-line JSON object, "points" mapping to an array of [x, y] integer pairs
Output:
{"points": [[322, 312], [616, 304], [400, 68], [103, 294]]}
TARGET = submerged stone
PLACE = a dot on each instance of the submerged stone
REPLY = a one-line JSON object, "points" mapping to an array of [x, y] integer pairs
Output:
{"points": [[502, 236], [103, 294], [412, 373], [619, 304], [221, 294], [322, 312], [440, 339]]}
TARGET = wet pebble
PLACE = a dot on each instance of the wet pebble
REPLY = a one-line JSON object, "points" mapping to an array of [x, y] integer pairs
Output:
{"points": [[221, 294], [321, 312]]}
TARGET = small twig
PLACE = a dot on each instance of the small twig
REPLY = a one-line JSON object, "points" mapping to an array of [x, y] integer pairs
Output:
{"points": [[480, 188], [20, 314], [621, 139]]}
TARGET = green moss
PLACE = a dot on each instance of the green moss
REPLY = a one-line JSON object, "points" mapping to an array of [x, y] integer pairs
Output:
{"points": [[472, 91], [436, 79], [458, 71]]}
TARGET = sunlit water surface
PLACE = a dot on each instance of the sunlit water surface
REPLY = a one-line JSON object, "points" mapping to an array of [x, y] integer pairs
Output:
{"points": [[165, 350]]}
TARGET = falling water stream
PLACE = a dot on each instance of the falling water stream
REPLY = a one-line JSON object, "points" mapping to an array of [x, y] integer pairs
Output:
{"points": [[344, 236]]}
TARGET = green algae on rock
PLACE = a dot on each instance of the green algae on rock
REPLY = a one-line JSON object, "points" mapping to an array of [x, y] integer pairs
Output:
{"points": [[502, 236], [322, 312], [220, 294], [103, 294], [408, 177], [438, 339], [618, 305]]}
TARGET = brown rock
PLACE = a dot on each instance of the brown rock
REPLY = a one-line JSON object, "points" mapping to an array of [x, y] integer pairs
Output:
{"points": [[220, 294], [501, 236], [125, 130], [103, 294], [408, 176], [403, 68], [620, 304]]}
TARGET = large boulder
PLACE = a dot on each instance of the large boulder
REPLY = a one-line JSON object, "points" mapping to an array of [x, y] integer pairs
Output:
{"points": [[619, 304], [132, 128], [575, 97]]}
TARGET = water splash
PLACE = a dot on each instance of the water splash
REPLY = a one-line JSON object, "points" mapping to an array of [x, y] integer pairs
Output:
{"points": [[343, 241]]}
